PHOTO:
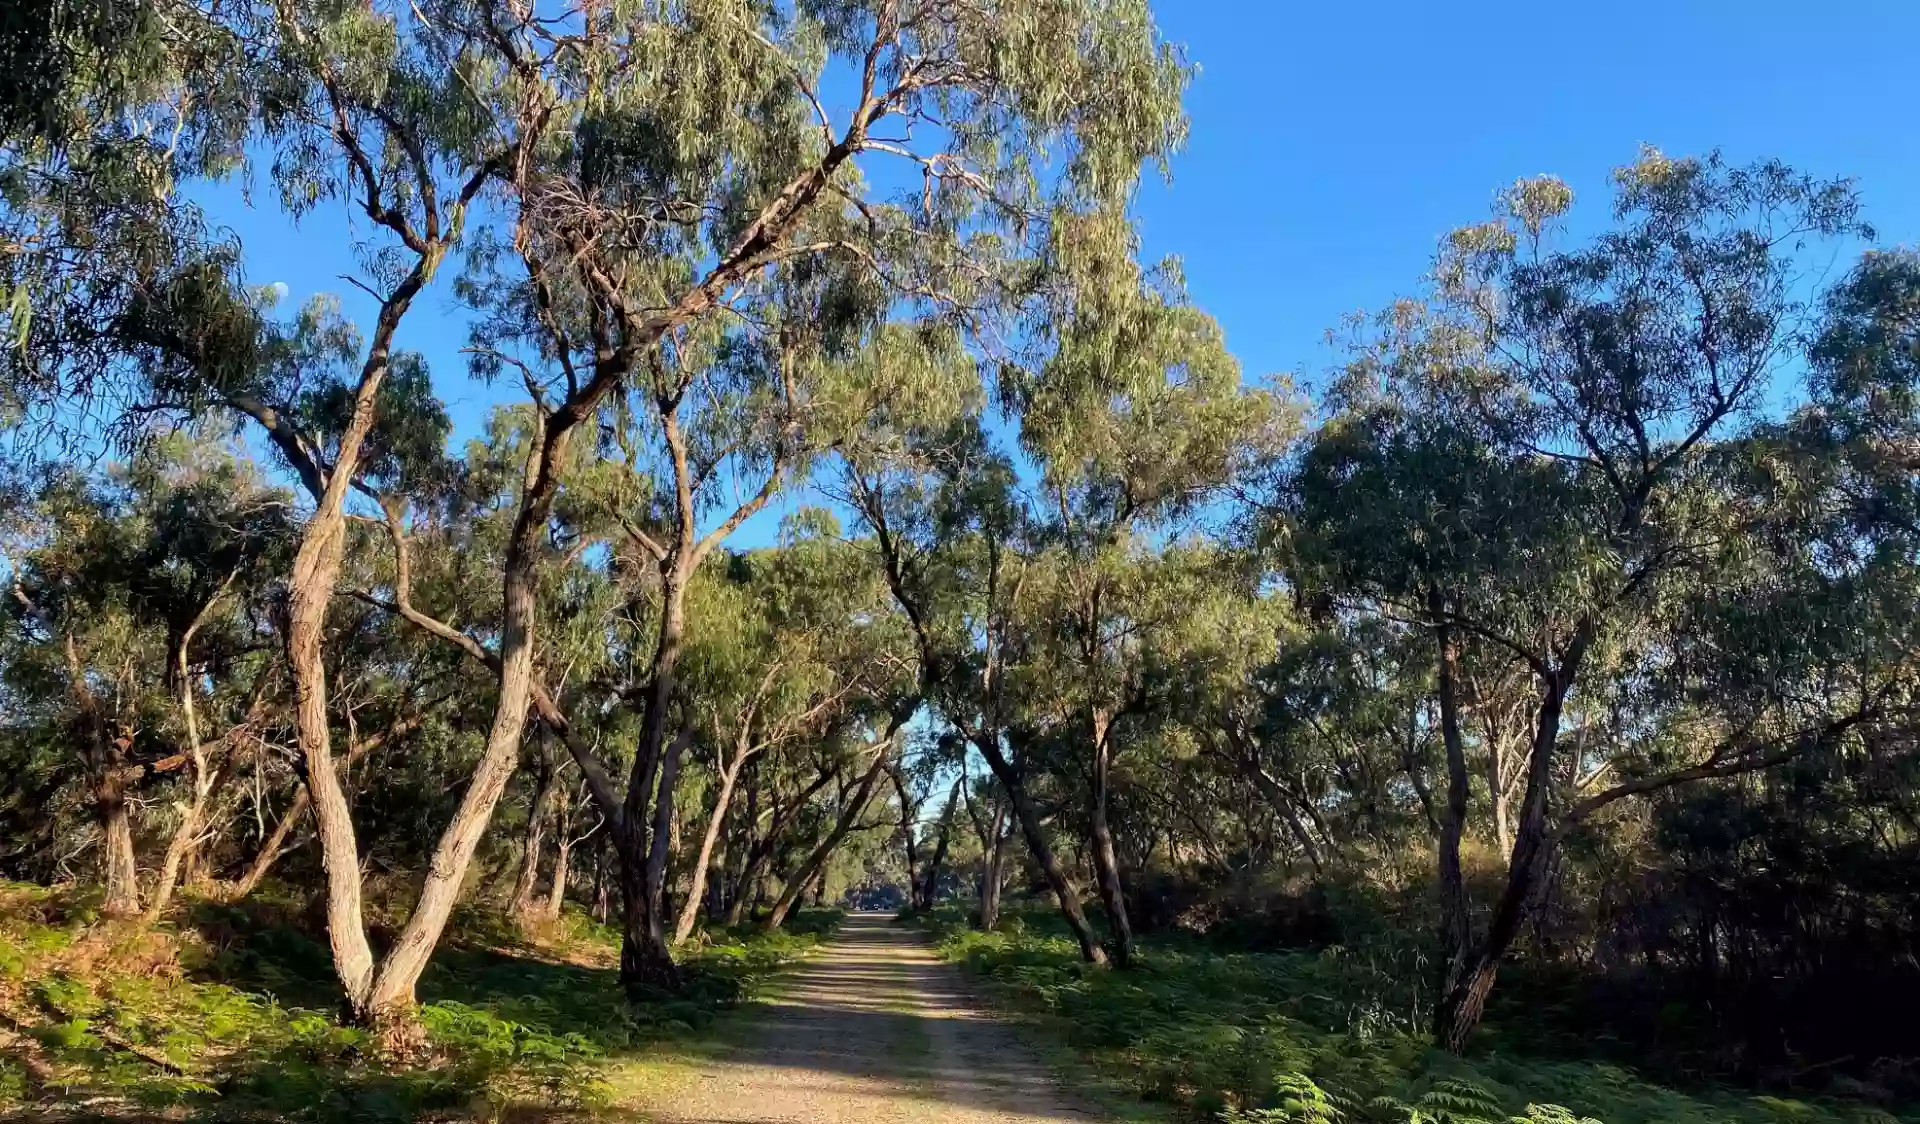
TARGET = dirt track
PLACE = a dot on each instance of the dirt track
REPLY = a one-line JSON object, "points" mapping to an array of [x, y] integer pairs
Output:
{"points": [[873, 1028]]}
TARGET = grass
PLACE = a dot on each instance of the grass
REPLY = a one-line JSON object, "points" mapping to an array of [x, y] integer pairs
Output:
{"points": [[230, 1012], [1313, 1038]]}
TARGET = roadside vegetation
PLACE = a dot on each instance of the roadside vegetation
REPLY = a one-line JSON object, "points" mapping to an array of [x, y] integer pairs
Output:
{"points": [[229, 1012], [1309, 1036]]}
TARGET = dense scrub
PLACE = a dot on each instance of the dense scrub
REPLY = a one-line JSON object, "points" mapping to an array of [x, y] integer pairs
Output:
{"points": [[232, 1010], [1315, 1036]]}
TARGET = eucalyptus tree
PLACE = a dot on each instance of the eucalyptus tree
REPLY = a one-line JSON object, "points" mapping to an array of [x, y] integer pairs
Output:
{"points": [[124, 591], [706, 175], [354, 105], [793, 640], [941, 508], [105, 108], [1138, 423], [1535, 466]]}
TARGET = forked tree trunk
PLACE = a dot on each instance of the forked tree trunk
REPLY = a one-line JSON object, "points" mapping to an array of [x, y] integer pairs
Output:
{"points": [[1106, 862], [1031, 828], [1463, 1002], [993, 844], [310, 586]]}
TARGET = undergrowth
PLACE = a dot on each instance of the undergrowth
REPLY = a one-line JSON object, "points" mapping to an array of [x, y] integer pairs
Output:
{"points": [[232, 1012], [1312, 1038]]}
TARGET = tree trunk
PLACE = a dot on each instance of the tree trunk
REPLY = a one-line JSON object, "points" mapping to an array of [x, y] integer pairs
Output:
{"points": [[1461, 1006], [1497, 792], [697, 889], [743, 889], [816, 859], [186, 837], [1456, 918], [910, 841], [533, 842], [562, 861], [1106, 864], [992, 875], [557, 892], [103, 759], [310, 586], [646, 964], [122, 876], [392, 993], [1030, 826], [602, 905], [646, 961], [930, 889]]}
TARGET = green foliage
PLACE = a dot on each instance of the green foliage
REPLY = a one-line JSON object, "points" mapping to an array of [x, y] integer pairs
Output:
{"points": [[507, 1025], [1266, 1038]]}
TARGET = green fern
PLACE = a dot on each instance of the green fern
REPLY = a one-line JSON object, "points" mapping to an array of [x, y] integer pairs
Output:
{"points": [[1551, 1114], [1301, 1101], [1445, 1102]]}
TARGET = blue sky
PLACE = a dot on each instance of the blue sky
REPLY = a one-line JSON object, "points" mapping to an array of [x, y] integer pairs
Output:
{"points": [[1333, 144]]}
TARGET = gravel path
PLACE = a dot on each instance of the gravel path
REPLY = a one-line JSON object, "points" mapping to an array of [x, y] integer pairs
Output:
{"points": [[873, 1028]]}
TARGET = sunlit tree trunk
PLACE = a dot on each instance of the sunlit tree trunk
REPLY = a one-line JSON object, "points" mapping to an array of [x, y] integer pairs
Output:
{"points": [[703, 861], [186, 836]]}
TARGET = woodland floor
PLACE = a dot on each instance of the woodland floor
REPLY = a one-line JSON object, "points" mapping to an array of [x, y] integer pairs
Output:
{"points": [[873, 1027]]}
